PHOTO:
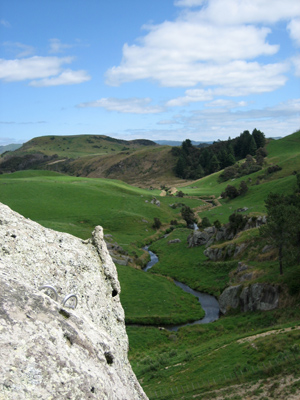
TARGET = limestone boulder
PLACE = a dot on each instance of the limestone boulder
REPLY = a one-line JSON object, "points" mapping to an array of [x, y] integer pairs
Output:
{"points": [[50, 350]]}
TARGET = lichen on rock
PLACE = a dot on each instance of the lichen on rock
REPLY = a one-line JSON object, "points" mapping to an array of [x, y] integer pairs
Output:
{"points": [[50, 351]]}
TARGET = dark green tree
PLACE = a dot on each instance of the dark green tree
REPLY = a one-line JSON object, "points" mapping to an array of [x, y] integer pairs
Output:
{"points": [[230, 191], [205, 223], [243, 188], [259, 138], [252, 147], [188, 215], [156, 223], [180, 167], [283, 226]]}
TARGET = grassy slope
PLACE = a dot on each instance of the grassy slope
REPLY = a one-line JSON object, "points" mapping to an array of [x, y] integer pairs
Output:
{"points": [[78, 145], [143, 167], [164, 360], [169, 306]]}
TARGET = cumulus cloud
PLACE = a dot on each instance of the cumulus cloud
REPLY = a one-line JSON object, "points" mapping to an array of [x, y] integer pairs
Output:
{"points": [[67, 77], [294, 29], [220, 119], [296, 64], [191, 96], [218, 44], [42, 71], [132, 105], [31, 68], [237, 12]]}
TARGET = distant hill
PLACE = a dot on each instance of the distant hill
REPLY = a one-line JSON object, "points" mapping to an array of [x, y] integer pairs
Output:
{"points": [[140, 161], [177, 143], [9, 147]]}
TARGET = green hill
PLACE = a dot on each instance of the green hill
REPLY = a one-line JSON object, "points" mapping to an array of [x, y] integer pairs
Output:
{"points": [[242, 355], [140, 162]]}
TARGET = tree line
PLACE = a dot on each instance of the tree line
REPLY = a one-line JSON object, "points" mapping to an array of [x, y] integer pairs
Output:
{"points": [[194, 162]]}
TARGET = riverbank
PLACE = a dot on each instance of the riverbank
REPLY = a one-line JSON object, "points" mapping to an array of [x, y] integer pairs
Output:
{"points": [[208, 303]]}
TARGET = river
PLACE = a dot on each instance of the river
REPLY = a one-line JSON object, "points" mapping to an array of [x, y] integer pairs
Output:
{"points": [[209, 303]]}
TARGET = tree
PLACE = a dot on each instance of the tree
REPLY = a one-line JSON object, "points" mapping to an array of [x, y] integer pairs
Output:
{"points": [[205, 223], [230, 191], [156, 223], [188, 215], [180, 167], [283, 225], [243, 188], [259, 138], [237, 222]]}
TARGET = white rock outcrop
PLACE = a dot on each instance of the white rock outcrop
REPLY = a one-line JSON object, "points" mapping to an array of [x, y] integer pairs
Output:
{"points": [[50, 351]]}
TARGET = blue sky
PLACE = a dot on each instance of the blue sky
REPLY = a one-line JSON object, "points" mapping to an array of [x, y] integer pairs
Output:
{"points": [[153, 69]]}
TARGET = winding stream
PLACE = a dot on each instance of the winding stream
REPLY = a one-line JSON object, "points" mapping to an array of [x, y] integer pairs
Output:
{"points": [[209, 303]]}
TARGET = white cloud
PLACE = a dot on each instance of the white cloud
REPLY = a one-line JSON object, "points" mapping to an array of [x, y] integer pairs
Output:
{"points": [[296, 64], [57, 47], [31, 68], [133, 105], [172, 51], [67, 77], [226, 104], [294, 29], [199, 48], [191, 96], [41, 71], [222, 121], [237, 12]]}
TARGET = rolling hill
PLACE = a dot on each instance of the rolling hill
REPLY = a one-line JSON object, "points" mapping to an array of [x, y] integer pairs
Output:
{"points": [[251, 355]]}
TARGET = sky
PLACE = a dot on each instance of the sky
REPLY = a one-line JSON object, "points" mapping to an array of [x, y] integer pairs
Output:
{"points": [[202, 70]]}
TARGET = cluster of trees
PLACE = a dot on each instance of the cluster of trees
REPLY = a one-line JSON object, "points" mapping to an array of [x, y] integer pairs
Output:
{"points": [[283, 226], [232, 192], [249, 166], [194, 162], [12, 163]]}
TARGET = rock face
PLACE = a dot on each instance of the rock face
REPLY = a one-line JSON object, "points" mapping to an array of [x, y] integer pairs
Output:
{"points": [[258, 296], [50, 351], [210, 235]]}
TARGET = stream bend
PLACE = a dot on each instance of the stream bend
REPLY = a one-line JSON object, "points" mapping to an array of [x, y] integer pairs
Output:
{"points": [[209, 303]]}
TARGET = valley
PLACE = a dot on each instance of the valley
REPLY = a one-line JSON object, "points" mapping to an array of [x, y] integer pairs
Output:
{"points": [[124, 189]]}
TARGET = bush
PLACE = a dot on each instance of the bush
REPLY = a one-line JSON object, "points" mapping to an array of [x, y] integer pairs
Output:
{"points": [[231, 192], [243, 188], [274, 168], [156, 223], [205, 223], [217, 224]]}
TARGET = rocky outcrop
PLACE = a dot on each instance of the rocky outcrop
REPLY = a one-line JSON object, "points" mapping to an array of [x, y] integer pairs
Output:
{"points": [[218, 253], [210, 235], [50, 350], [155, 202], [258, 296]]}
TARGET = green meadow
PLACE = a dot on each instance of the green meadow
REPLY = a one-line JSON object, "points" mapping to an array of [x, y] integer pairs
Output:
{"points": [[198, 360]]}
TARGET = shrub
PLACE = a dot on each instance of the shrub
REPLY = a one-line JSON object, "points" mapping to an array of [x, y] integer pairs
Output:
{"points": [[205, 223], [231, 192], [274, 168], [156, 223]]}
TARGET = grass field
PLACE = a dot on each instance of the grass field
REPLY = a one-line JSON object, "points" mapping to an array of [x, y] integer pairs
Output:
{"points": [[193, 355], [169, 306]]}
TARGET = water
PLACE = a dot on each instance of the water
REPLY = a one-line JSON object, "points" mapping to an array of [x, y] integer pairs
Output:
{"points": [[209, 303]]}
